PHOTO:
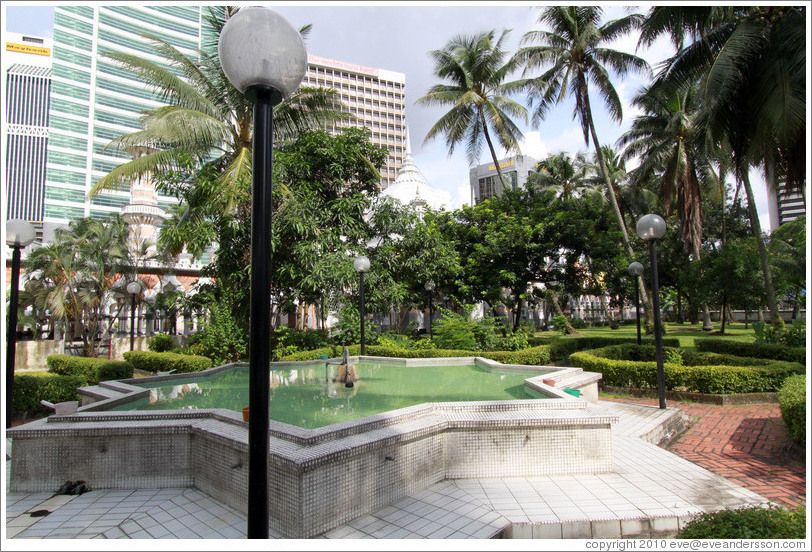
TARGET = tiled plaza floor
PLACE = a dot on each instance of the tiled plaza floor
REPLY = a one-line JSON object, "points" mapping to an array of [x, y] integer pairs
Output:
{"points": [[649, 492], [745, 444]]}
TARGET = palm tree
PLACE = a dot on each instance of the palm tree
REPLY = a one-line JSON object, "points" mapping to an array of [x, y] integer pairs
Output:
{"points": [[574, 49], [751, 65], [667, 140], [561, 174], [207, 120], [73, 276], [476, 67]]}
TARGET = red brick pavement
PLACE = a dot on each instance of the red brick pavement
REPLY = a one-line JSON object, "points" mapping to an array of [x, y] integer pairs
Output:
{"points": [[746, 444]]}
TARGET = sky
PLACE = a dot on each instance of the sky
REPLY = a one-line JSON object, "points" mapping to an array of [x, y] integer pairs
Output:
{"points": [[398, 36]]}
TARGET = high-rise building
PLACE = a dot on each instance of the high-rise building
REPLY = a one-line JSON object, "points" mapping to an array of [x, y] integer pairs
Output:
{"points": [[784, 205], [93, 100], [376, 97], [27, 70], [484, 179]]}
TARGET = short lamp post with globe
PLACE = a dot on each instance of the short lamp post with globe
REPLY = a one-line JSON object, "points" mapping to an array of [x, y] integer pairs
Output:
{"points": [[651, 228], [430, 286], [635, 270], [134, 289], [19, 235], [361, 265]]}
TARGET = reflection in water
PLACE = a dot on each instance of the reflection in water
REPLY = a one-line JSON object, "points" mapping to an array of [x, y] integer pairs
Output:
{"points": [[304, 397]]}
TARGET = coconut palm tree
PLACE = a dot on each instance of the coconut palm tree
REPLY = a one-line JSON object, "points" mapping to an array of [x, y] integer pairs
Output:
{"points": [[750, 62], [573, 55], [476, 67], [562, 174], [207, 120]]}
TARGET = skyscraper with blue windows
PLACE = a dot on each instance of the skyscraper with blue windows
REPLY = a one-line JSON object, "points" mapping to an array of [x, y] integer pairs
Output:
{"points": [[93, 100]]}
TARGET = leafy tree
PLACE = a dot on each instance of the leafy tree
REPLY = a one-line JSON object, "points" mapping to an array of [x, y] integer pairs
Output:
{"points": [[477, 67], [787, 249], [73, 276], [566, 176]]}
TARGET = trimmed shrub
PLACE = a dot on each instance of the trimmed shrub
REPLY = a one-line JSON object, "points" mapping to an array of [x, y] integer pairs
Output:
{"points": [[698, 373], [164, 362], [83, 367], [114, 370], [563, 348], [30, 390], [747, 523], [532, 357], [756, 350], [161, 343], [792, 401]]}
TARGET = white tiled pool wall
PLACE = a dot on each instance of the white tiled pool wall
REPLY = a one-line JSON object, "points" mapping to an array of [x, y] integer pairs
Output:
{"points": [[318, 478]]}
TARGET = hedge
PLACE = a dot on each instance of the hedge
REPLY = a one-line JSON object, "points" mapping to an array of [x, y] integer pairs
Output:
{"points": [[792, 401], [755, 350], [165, 362], [30, 390], [737, 375], [753, 522], [532, 357], [562, 348], [90, 370]]}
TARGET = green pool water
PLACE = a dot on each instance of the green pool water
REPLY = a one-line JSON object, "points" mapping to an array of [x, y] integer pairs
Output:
{"points": [[302, 397]]}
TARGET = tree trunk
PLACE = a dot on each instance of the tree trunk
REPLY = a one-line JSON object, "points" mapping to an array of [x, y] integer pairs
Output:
{"points": [[722, 312], [755, 224], [490, 147], [644, 292], [568, 329]]}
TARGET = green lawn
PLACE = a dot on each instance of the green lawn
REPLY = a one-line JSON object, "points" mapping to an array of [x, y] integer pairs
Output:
{"points": [[686, 333]]}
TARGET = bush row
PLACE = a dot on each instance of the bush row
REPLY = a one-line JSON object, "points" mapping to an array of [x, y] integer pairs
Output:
{"points": [[792, 401], [165, 362], [752, 522], [30, 390], [564, 347], [531, 357], [756, 350], [759, 376], [90, 370]]}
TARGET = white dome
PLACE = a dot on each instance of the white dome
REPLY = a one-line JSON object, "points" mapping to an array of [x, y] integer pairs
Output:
{"points": [[410, 187]]}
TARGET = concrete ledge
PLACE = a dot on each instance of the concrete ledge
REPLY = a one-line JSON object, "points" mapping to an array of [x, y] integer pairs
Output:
{"points": [[705, 398]]}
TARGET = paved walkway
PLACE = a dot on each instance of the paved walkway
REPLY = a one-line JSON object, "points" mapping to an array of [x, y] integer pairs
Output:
{"points": [[650, 492], [745, 444]]}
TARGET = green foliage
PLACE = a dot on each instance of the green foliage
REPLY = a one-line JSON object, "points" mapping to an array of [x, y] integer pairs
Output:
{"points": [[747, 523], [792, 401], [561, 349], [164, 362], [85, 368], [348, 327], [633, 366], [674, 356], [160, 343], [392, 340], [560, 323], [30, 390], [455, 331], [794, 336], [221, 339], [756, 350], [115, 370]]}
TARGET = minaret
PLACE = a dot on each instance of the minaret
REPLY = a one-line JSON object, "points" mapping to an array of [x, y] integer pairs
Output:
{"points": [[143, 213]]}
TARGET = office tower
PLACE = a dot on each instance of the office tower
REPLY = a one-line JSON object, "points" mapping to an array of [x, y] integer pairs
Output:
{"points": [[27, 70], [94, 100], [784, 205], [376, 97], [484, 179]]}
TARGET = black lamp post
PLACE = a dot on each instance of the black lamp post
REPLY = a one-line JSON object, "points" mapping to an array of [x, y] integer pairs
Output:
{"points": [[430, 292], [361, 265], [19, 234], [635, 270], [264, 57], [134, 289], [651, 228]]}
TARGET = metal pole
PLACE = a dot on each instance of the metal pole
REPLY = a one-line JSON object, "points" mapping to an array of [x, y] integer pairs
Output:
{"points": [[363, 345], [637, 308], [132, 324], [658, 334], [260, 315], [11, 339], [431, 317]]}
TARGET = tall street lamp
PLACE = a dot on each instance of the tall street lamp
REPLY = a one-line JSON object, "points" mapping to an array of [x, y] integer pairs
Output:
{"points": [[651, 228], [361, 265], [134, 289], [430, 292], [264, 57], [19, 234], [635, 270]]}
